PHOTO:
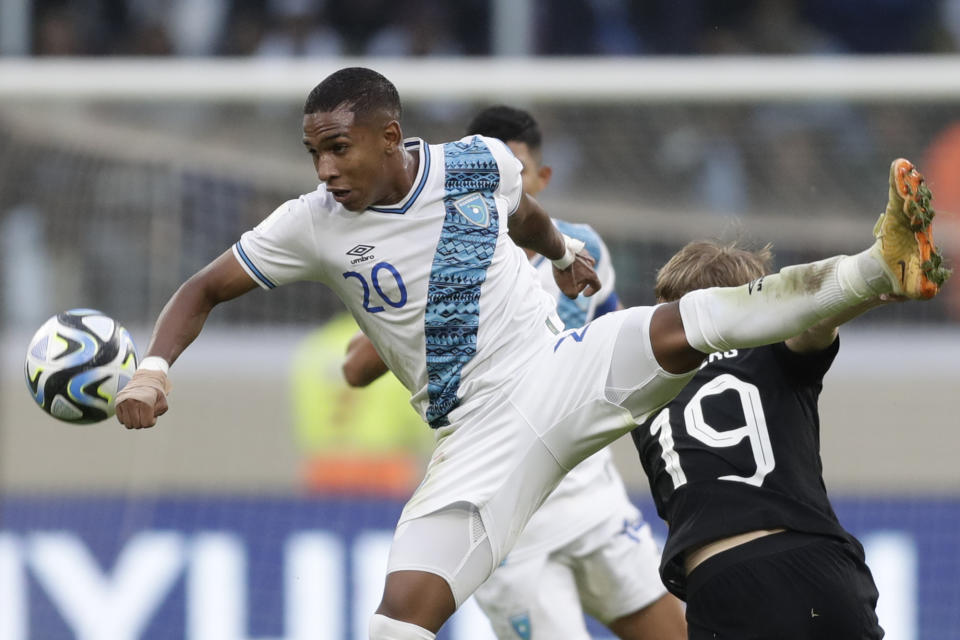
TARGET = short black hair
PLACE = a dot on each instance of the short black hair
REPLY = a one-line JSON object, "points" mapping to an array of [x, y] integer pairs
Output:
{"points": [[363, 91], [507, 124]]}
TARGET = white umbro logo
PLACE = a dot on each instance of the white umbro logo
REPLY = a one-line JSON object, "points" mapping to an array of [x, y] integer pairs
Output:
{"points": [[361, 250]]}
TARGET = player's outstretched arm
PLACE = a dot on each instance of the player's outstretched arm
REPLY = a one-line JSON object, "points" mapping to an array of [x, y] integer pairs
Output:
{"points": [[531, 228], [362, 364], [180, 322]]}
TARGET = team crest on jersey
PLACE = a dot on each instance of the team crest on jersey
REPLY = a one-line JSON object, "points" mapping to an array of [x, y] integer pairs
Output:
{"points": [[521, 626], [473, 208]]}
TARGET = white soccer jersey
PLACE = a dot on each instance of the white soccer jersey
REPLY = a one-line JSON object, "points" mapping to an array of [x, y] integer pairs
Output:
{"points": [[430, 279], [593, 490]]}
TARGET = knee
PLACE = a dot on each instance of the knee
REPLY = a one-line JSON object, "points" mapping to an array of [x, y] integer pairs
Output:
{"points": [[384, 628], [417, 597]]}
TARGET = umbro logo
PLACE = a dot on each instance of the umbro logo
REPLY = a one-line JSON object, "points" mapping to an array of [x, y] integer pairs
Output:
{"points": [[361, 250], [361, 253]]}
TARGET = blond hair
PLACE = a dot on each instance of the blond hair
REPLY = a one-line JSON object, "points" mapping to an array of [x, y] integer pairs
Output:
{"points": [[708, 263]]}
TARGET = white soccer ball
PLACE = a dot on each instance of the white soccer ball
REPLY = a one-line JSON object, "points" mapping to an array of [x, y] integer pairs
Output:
{"points": [[76, 364]]}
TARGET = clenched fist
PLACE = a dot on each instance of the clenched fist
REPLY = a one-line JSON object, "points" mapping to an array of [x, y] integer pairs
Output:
{"points": [[143, 399]]}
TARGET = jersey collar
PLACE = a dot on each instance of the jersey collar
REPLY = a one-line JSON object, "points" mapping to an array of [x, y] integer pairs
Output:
{"points": [[418, 182]]}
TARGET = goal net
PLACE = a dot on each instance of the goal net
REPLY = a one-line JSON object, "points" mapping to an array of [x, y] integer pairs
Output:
{"points": [[120, 179]]}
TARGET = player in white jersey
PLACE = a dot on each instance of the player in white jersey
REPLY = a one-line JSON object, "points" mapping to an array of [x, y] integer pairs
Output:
{"points": [[587, 547], [453, 308]]}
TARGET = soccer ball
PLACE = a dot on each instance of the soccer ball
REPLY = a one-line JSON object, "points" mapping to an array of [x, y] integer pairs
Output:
{"points": [[77, 363]]}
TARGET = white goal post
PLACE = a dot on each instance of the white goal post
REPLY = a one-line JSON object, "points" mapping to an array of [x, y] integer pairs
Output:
{"points": [[643, 80]]}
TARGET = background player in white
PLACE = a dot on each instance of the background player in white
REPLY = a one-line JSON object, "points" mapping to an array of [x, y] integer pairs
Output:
{"points": [[452, 307], [587, 547]]}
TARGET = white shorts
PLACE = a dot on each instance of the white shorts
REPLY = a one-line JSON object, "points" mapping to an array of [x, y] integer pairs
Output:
{"points": [[510, 448], [451, 543], [611, 570]]}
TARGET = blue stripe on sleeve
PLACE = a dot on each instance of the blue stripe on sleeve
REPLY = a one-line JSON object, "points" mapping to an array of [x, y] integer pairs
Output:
{"points": [[246, 260]]}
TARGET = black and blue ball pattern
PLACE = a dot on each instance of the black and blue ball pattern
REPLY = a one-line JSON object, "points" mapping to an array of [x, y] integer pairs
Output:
{"points": [[76, 364]]}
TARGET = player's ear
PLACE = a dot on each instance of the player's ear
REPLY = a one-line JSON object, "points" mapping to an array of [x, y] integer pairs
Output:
{"points": [[392, 137], [545, 173]]}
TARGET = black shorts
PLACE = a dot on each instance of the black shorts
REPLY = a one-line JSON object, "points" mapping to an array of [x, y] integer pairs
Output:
{"points": [[785, 586]]}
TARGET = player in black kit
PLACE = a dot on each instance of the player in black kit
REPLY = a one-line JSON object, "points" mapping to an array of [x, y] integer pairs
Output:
{"points": [[754, 546]]}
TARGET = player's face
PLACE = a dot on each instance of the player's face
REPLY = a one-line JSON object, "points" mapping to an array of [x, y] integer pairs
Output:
{"points": [[534, 175], [350, 157]]}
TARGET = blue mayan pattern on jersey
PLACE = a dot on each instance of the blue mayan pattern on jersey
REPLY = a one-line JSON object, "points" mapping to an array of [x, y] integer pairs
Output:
{"points": [[573, 313], [464, 253]]}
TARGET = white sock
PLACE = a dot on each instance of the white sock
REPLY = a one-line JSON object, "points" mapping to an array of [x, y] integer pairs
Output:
{"points": [[384, 628], [780, 305]]}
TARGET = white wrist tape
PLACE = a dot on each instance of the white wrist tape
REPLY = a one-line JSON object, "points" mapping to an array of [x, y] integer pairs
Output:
{"points": [[155, 363], [574, 247]]}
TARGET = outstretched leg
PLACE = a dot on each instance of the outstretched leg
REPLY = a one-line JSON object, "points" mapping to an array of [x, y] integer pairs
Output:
{"points": [[436, 562], [903, 261]]}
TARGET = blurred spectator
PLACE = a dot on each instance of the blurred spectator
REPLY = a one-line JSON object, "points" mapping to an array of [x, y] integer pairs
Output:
{"points": [[148, 39], [585, 27], [773, 27], [58, 33], [358, 20], [613, 33], [356, 441], [471, 24], [777, 27], [196, 28], [425, 28], [941, 166], [669, 28], [440, 27], [949, 20], [561, 32], [244, 31], [710, 162], [297, 29], [142, 29], [722, 23], [877, 26]]}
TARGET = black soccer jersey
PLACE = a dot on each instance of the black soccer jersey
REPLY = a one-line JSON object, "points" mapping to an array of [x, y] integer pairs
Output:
{"points": [[738, 450]]}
